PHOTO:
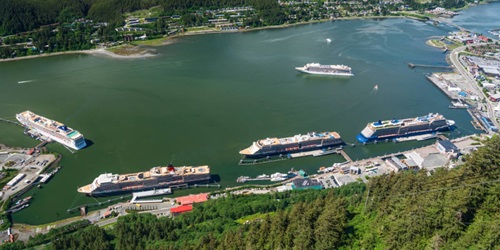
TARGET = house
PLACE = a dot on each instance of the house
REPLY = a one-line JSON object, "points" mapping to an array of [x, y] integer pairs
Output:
{"points": [[306, 183], [447, 148]]}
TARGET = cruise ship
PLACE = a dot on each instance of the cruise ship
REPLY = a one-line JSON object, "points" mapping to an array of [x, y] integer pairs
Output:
{"points": [[389, 129], [157, 177], [333, 70], [298, 143], [54, 130]]}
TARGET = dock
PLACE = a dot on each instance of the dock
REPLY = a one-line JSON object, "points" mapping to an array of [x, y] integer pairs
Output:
{"points": [[307, 153], [149, 193], [344, 154], [249, 161], [413, 65], [450, 89], [475, 120], [416, 138]]}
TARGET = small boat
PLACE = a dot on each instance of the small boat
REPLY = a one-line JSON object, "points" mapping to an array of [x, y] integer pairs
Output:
{"points": [[458, 104], [262, 176]]}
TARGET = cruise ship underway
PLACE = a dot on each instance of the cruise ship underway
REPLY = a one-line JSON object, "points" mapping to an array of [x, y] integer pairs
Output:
{"points": [[318, 69], [382, 130], [297, 143], [157, 177], [52, 129]]}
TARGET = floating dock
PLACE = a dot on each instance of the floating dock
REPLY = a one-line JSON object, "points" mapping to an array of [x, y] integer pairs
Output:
{"points": [[416, 138]]}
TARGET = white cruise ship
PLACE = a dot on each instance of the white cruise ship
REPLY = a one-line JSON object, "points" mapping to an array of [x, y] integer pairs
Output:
{"points": [[52, 129], [333, 70]]}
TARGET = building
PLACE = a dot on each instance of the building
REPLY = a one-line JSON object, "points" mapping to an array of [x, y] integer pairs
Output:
{"points": [[306, 183], [411, 164], [447, 148], [354, 170], [181, 209], [495, 97], [343, 179], [396, 164], [194, 198]]}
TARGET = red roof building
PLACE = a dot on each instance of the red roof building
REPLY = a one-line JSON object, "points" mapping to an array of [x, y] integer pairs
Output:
{"points": [[483, 38], [194, 198], [30, 151], [181, 209]]}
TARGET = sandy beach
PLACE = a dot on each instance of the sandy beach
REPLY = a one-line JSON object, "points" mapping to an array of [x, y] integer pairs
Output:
{"points": [[99, 52]]}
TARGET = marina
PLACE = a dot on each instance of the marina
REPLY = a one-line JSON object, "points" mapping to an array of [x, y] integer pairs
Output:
{"points": [[264, 177], [230, 105]]}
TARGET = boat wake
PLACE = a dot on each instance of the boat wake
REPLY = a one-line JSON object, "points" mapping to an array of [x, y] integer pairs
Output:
{"points": [[26, 81]]}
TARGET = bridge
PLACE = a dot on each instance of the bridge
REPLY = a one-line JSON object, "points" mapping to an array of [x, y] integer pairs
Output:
{"points": [[449, 22]]}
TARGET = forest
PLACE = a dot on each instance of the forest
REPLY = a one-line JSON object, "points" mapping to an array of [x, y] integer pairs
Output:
{"points": [[18, 16], [446, 209]]}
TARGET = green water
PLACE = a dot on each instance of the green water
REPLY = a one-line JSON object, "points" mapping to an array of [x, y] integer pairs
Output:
{"points": [[206, 97]]}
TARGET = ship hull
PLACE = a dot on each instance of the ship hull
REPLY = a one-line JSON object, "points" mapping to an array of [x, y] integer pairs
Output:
{"points": [[285, 152], [323, 73], [46, 133], [136, 187], [361, 138]]}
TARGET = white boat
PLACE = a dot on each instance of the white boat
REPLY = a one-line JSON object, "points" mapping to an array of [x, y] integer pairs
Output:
{"points": [[54, 130], [279, 177], [333, 70], [458, 104], [262, 176]]}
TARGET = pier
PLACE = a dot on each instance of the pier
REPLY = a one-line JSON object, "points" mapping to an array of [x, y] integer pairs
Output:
{"points": [[475, 120], [246, 161], [344, 154], [413, 65], [154, 192]]}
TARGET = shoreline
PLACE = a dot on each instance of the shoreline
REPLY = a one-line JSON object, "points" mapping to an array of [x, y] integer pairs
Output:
{"points": [[100, 51], [168, 40]]}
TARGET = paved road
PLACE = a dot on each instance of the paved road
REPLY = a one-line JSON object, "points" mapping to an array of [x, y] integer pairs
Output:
{"points": [[454, 58]]}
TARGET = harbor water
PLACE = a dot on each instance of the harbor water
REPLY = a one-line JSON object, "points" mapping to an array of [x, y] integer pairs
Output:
{"points": [[204, 98]]}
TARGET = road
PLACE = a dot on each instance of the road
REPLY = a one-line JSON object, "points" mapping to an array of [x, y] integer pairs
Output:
{"points": [[454, 58]]}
